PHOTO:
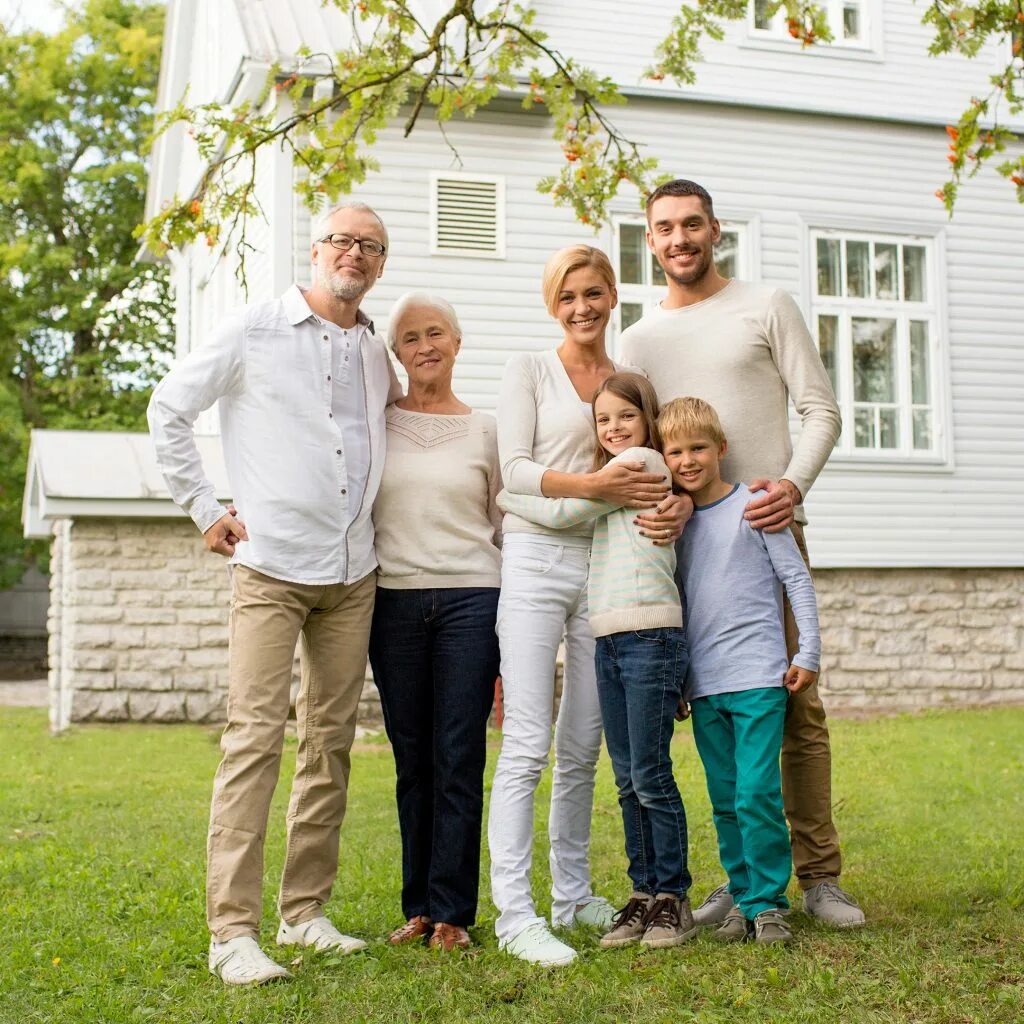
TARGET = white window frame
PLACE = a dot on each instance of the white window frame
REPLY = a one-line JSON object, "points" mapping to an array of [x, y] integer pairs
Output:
{"points": [[867, 47], [648, 295], [499, 199], [940, 455]]}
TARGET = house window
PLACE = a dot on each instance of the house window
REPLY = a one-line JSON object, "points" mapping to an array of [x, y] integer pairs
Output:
{"points": [[467, 215], [875, 314], [642, 281], [848, 20]]}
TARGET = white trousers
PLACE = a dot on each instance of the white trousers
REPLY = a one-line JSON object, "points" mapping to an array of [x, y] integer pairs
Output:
{"points": [[543, 597]]}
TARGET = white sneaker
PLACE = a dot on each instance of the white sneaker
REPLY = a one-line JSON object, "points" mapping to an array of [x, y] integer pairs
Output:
{"points": [[240, 961], [536, 945], [597, 912], [318, 933]]}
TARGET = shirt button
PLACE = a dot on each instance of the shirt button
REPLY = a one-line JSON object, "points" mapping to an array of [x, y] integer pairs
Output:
{"points": [[337, 451], [343, 491], [328, 376], [346, 359], [330, 415], [327, 337]]}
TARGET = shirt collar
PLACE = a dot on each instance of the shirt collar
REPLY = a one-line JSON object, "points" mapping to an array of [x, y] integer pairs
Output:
{"points": [[296, 308]]}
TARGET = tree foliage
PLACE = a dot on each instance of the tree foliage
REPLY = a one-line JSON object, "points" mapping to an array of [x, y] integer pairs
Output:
{"points": [[84, 326], [331, 107]]}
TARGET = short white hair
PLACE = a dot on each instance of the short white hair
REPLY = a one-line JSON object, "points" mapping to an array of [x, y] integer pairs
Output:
{"points": [[322, 225], [409, 299]]}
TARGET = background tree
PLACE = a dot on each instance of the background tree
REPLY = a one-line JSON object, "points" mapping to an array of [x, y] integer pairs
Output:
{"points": [[398, 67], [84, 326]]}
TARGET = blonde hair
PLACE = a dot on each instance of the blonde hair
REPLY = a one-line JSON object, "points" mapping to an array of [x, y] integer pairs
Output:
{"points": [[639, 392], [562, 263], [690, 416]]}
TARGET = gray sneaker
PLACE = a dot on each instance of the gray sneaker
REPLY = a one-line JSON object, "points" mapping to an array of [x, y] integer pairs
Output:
{"points": [[715, 908], [770, 927], [735, 927], [629, 923], [827, 902], [669, 922]]}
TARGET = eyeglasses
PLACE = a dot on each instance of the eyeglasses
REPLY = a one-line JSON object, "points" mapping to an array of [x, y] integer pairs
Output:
{"points": [[367, 246]]}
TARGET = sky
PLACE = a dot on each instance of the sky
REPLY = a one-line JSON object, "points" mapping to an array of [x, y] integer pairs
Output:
{"points": [[22, 14]]}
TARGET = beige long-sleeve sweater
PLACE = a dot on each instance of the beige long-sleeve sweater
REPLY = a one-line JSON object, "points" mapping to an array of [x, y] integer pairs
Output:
{"points": [[747, 351]]}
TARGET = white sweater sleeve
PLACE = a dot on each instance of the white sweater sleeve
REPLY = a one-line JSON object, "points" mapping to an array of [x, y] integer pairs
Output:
{"points": [[517, 425]]}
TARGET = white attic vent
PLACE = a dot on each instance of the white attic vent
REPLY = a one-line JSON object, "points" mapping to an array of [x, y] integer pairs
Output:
{"points": [[467, 215]]}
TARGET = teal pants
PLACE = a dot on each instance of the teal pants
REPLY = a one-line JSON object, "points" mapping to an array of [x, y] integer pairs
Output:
{"points": [[739, 738]]}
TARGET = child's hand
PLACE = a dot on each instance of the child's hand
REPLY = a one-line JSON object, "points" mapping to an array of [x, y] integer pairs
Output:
{"points": [[682, 711], [798, 678]]}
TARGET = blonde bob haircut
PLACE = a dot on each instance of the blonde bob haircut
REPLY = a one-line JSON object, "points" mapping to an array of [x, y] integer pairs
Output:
{"points": [[562, 263], [690, 417]]}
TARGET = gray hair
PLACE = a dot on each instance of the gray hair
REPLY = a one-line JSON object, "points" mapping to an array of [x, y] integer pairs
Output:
{"points": [[399, 309], [322, 225]]}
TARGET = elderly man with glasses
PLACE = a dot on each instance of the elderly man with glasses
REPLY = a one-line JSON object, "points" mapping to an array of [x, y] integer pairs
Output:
{"points": [[302, 382]]}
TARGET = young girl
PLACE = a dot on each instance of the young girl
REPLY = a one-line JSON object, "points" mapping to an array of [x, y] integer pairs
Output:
{"points": [[641, 660]]}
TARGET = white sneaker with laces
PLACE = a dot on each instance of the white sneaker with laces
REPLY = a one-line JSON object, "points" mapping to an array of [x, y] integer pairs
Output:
{"points": [[827, 902], [536, 945], [240, 961], [596, 912], [318, 933]]}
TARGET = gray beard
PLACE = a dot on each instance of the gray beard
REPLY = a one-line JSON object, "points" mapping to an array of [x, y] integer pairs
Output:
{"points": [[344, 288]]}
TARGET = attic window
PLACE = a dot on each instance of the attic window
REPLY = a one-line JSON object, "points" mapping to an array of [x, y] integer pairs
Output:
{"points": [[468, 215]]}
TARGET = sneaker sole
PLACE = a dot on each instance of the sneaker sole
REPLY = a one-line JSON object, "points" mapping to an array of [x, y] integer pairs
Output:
{"points": [[607, 943], [676, 940], [340, 950], [252, 982], [835, 924]]}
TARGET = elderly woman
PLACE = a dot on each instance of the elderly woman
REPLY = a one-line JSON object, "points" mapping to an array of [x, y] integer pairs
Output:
{"points": [[546, 442], [433, 645]]}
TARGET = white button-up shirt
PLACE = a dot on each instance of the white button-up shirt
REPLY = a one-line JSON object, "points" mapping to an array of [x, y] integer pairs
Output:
{"points": [[302, 424]]}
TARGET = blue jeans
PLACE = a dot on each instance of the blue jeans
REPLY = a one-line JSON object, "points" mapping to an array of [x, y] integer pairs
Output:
{"points": [[639, 682], [435, 658]]}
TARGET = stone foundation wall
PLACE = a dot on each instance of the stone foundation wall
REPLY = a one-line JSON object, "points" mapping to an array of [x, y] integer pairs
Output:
{"points": [[139, 610]]}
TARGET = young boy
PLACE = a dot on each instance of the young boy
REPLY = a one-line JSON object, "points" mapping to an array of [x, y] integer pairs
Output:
{"points": [[739, 677]]}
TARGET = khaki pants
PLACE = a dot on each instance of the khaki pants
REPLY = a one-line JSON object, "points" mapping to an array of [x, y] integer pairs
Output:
{"points": [[267, 617], [807, 772]]}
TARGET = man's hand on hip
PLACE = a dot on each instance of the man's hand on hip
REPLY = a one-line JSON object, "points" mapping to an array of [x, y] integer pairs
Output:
{"points": [[225, 533], [772, 511]]}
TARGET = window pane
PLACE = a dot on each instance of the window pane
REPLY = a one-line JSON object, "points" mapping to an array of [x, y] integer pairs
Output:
{"points": [[889, 428], [923, 429], [886, 271], [874, 359], [727, 253], [761, 17], [828, 331], [858, 269], [631, 253], [851, 21], [657, 274], [829, 267], [630, 312], [920, 389], [864, 428], [914, 274]]}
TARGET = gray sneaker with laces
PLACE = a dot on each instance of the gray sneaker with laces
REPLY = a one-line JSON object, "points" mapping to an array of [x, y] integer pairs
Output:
{"points": [[715, 908], [669, 922], [827, 902], [770, 927], [734, 928], [629, 923]]}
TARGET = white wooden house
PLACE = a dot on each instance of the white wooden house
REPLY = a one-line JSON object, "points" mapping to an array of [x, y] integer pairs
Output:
{"points": [[823, 164]]}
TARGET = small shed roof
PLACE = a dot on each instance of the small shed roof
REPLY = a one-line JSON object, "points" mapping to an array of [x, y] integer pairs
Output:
{"points": [[74, 474]]}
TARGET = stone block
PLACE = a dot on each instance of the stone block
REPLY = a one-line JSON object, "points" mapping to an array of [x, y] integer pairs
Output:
{"points": [[91, 579], [979, 661], [92, 680], [205, 707], [1003, 641], [835, 601], [931, 662], [91, 636], [899, 643], [207, 657], [96, 615], [144, 679], [204, 617], [197, 681], [158, 660], [144, 579], [868, 663], [883, 605], [92, 661], [993, 599], [156, 707], [99, 706], [971, 618], [839, 641], [94, 529], [150, 616], [948, 641], [180, 637], [936, 602], [141, 599]]}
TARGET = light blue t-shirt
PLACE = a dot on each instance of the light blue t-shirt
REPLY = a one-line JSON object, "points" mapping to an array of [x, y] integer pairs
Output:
{"points": [[732, 580]]}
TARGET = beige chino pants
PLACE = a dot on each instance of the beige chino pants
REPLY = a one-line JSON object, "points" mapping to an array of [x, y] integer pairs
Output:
{"points": [[267, 618], [807, 771]]}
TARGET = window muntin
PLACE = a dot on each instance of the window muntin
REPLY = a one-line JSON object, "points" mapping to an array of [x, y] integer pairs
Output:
{"points": [[642, 281], [875, 318], [848, 20]]}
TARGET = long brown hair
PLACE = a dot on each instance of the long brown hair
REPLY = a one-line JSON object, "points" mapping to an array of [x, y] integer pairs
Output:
{"points": [[636, 390]]}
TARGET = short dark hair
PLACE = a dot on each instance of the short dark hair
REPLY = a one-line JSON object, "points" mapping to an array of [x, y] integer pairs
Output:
{"points": [[682, 187]]}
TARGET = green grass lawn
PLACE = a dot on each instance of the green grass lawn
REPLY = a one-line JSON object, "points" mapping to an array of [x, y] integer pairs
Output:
{"points": [[102, 837]]}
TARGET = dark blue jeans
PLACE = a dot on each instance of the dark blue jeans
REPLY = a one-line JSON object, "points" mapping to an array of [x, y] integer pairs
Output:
{"points": [[435, 658], [639, 682]]}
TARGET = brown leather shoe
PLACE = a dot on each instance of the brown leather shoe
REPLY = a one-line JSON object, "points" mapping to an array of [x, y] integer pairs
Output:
{"points": [[415, 928], [449, 937]]}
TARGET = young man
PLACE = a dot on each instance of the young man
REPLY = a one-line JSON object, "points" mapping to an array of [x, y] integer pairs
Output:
{"points": [[302, 383], [746, 350], [739, 673]]}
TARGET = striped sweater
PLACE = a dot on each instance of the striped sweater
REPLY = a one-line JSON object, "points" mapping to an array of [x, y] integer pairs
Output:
{"points": [[632, 582]]}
